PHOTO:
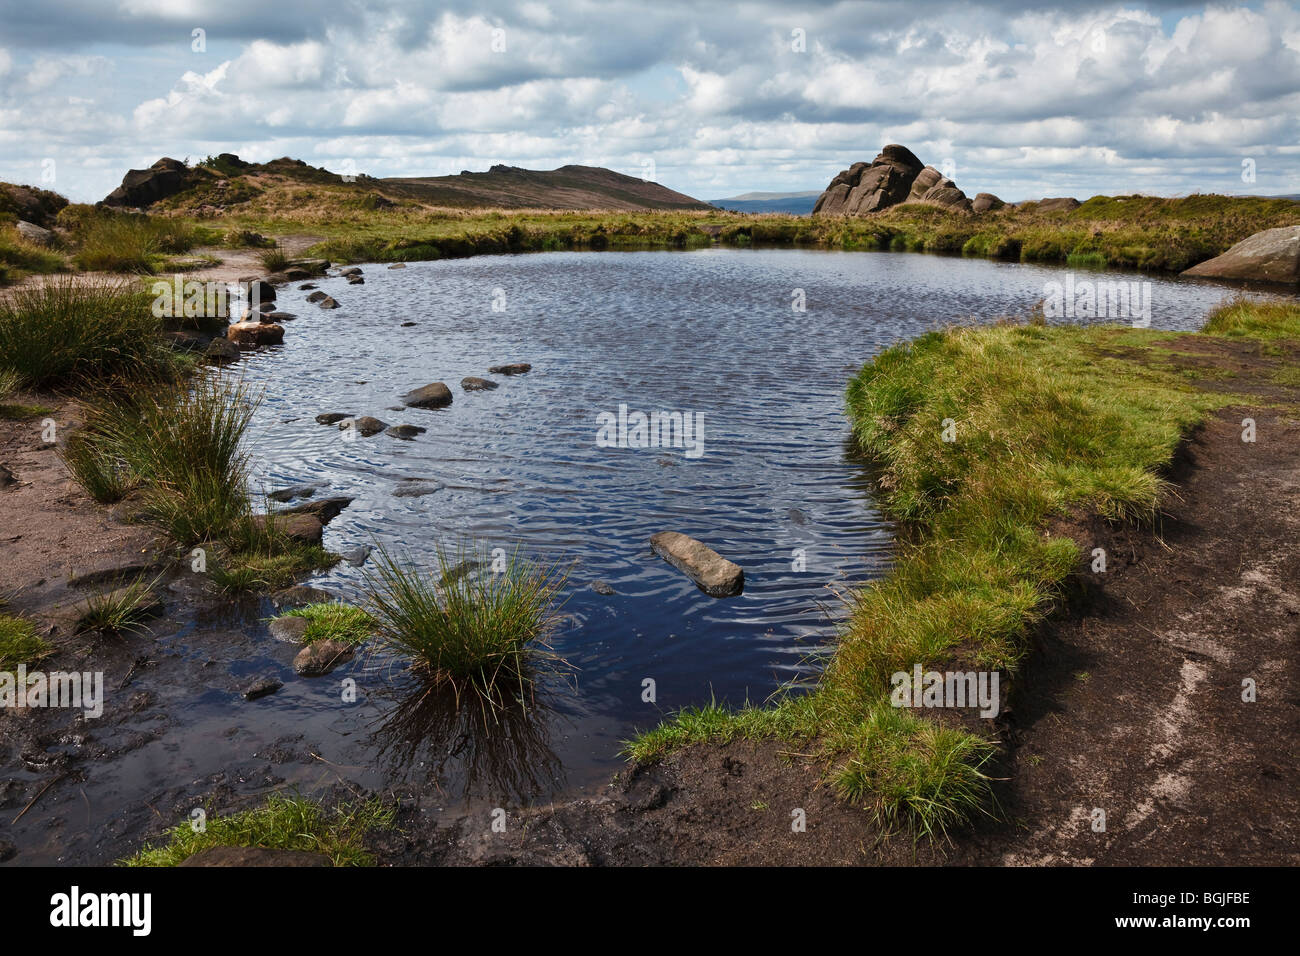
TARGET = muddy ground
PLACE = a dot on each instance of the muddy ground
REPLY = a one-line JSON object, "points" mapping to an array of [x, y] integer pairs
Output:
{"points": [[1131, 702]]}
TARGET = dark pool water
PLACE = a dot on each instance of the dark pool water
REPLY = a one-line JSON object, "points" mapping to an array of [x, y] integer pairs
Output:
{"points": [[711, 333], [776, 489]]}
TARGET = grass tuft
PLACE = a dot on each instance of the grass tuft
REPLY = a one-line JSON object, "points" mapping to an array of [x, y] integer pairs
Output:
{"points": [[19, 643], [334, 621]]}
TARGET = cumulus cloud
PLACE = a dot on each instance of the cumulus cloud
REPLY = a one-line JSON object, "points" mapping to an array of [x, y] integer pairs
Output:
{"points": [[1056, 98]]}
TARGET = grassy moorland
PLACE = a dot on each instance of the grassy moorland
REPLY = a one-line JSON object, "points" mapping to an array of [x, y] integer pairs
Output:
{"points": [[1050, 423], [1130, 232]]}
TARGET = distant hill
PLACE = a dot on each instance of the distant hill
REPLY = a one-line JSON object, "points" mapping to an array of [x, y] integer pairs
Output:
{"points": [[569, 187], [798, 204], [226, 181]]}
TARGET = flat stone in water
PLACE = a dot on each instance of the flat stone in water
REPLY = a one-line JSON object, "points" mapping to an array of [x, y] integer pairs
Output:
{"points": [[357, 556], [405, 432], [513, 368], [433, 395], [300, 595], [711, 572], [296, 491], [473, 384], [365, 425], [261, 687], [416, 487], [316, 660], [327, 302], [332, 418], [291, 630], [323, 510], [601, 587]]}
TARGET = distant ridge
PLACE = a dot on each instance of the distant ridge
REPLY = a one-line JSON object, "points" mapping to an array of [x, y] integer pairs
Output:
{"points": [[798, 204], [569, 187], [226, 181]]}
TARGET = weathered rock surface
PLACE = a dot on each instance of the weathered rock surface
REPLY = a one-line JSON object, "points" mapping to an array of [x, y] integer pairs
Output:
{"points": [[295, 491], [258, 290], [986, 202], [37, 234], [398, 265], [143, 187], [291, 630], [711, 572], [323, 510], [893, 177], [513, 368], [405, 432], [254, 856], [327, 303], [433, 395], [320, 658], [332, 418], [221, 352], [416, 487], [317, 296], [254, 334], [473, 384], [365, 425], [300, 595], [261, 687], [1269, 256], [350, 271], [303, 528]]}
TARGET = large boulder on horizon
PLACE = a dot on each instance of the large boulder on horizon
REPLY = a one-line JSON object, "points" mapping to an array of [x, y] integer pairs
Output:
{"points": [[1269, 256], [143, 187], [894, 177]]}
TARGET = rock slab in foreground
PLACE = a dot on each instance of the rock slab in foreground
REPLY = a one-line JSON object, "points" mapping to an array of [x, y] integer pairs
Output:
{"points": [[711, 572], [1269, 256]]}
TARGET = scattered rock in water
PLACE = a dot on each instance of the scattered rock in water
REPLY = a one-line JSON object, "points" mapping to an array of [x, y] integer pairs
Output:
{"points": [[306, 287], [221, 352], [291, 630], [296, 274], [603, 587], [318, 659], [327, 303], [473, 384], [332, 418], [300, 595], [296, 491], [461, 570], [317, 296], [323, 510], [255, 334], [258, 290], [365, 425], [514, 368], [407, 325], [797, 516], [357, 556], [279, 317], [405, 432], [433, 395], [711, 572], [398, 265], [1269, 256], [416, 487], [350, 271], [254, 856], [356, 280], [304, 528], [261, 687], [264, 308]]}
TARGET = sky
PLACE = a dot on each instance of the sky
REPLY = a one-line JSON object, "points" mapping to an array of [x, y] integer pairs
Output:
{"points": [[709, 99]]}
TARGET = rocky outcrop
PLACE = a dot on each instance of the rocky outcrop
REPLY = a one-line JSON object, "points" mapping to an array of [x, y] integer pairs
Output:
{"points": [[894, 177], [1057, 204], [711, 572], [144, 187], [30, 203], [36, 234], [1269, 256], [986, 202]]}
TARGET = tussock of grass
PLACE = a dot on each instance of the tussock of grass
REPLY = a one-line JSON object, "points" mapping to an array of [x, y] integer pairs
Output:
{"points": [[274, 259], [125, 242], [70, 334], [281, 823], [19, 257], [477, 630], [334, 621], [120, 610], [1243, 317], [1046, 424], [19, 643]]}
